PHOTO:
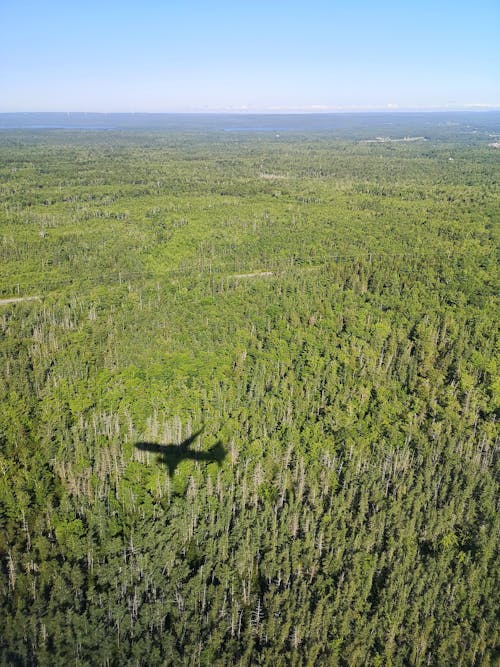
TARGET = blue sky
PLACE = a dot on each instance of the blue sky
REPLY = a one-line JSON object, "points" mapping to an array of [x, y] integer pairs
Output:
{"points": [[253, 55]]}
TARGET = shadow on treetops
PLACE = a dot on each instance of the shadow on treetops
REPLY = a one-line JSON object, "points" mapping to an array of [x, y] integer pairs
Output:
{"points": [[172, 454]]}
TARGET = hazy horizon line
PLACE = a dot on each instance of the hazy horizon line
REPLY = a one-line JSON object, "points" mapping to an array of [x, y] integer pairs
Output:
{"points": [[274, 110]]}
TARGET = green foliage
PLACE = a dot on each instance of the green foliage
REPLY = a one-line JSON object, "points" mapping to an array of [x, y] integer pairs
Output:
{"points": [[326, 309]]}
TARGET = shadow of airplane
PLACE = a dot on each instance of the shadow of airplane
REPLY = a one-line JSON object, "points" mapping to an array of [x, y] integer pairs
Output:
{"points": [[173, 454]]}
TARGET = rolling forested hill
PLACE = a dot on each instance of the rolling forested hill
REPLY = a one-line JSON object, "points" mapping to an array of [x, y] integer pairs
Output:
{"points": [[249, 409]]}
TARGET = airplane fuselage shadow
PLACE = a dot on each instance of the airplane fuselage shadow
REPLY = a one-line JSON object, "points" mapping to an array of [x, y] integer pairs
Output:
{"points": [[171, 455]]}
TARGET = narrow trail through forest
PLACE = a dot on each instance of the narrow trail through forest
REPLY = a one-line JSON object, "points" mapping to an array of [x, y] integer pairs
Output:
{"points": [[18, 299], [257, 274]]}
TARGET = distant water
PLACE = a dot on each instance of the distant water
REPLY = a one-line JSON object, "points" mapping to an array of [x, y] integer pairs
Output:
{"points": [[394, 122]]}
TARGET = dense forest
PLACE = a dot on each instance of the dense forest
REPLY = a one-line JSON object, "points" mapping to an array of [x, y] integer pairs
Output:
{"points": [[249, 388]]}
